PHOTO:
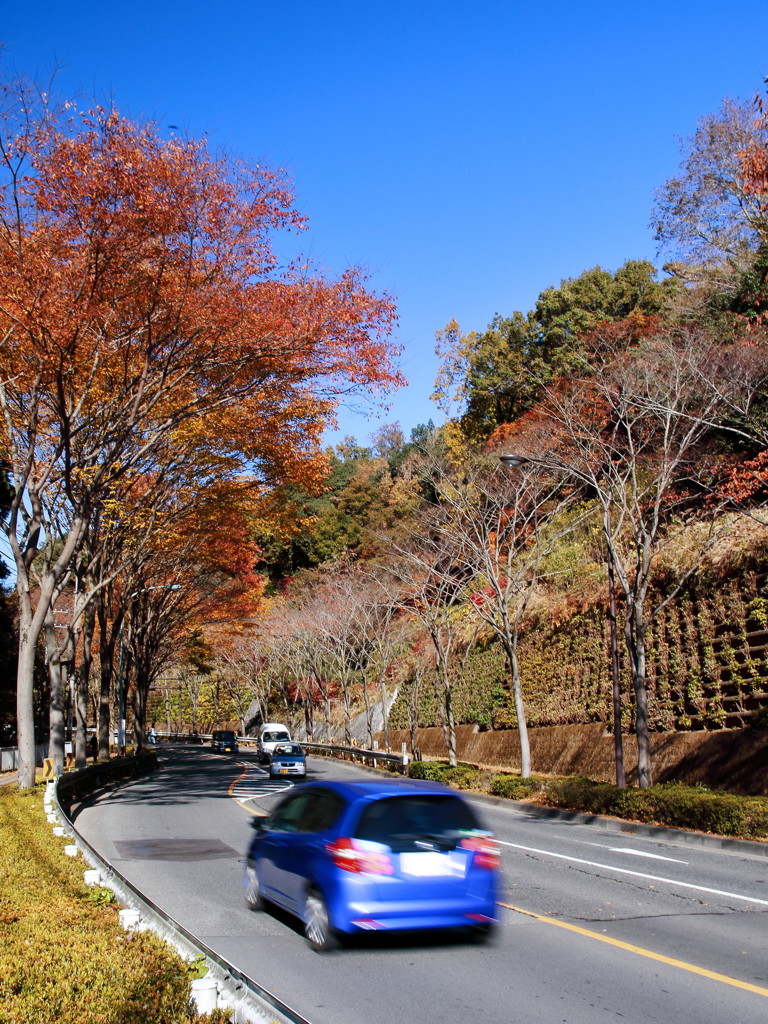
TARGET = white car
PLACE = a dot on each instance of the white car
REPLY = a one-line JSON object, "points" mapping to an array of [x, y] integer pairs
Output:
{"points": [[270, 734]]}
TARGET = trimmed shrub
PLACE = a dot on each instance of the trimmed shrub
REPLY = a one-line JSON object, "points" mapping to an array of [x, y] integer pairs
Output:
{"points": [[463, 776], [579, 794], [514, 787], [672, 804], [432, 770]]}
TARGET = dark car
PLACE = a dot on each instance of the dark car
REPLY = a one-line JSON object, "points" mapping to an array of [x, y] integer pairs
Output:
{"points": [[224, 741], [349, 857], [287, 759]]}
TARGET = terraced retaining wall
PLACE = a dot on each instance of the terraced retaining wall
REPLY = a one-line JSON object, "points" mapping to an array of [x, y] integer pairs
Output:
{"points": [[732, 759]]}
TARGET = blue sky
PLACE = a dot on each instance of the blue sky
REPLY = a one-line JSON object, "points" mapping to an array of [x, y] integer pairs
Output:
{"points": [[469, 154]]}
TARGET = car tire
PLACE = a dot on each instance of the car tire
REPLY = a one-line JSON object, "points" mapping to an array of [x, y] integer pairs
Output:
{"points": [[253, 896], [317, 923]]}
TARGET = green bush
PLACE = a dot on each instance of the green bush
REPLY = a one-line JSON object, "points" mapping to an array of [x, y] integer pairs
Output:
{"points": [[671, 804], [514, 787], [581, 794], [463, 776], [432, 770], [689, 807]]}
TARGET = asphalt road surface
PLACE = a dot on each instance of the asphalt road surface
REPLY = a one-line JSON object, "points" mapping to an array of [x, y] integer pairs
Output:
{"points": [[597, 924]]}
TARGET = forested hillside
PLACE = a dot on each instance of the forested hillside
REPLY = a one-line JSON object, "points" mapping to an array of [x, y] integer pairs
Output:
{"points": [[581, 540]]}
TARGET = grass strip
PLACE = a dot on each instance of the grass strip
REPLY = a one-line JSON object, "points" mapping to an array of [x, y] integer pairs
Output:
{"points": [[63, 954]]}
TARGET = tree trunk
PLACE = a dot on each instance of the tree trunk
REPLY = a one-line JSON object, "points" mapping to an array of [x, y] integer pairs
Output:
{"points": [[347, 717], [139, 714], [81, 718], [368, 714], [445, 703], [385, 711], [25, 708], [107, 661], [56, 710], [82, 678], [522, 725], [618, 744], [635, 637], [450, 728], [30, 627]]}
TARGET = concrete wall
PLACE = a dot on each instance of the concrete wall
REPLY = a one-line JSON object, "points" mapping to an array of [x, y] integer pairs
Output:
{"points": [[730, 759]]}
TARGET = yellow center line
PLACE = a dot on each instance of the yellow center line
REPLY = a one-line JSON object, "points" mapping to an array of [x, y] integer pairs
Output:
{"points": [[639, 951], [231, 793], [242, 775]]}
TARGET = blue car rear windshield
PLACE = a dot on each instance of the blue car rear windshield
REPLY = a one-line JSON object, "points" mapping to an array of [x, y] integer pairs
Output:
{"points": [[402, 822]]}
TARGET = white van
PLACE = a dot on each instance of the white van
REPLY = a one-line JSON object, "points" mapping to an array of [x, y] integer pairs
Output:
{"points": [[270, 734]]}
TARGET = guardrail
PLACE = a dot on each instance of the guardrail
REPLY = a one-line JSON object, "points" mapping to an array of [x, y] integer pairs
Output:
{"points": [[398, 760], [364, 754]]}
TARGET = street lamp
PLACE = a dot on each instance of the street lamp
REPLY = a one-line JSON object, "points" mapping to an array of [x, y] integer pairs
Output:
{"points": [[512, 460], [121, 713]]}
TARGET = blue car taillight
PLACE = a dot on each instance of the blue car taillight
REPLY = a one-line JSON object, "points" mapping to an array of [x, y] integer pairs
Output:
{"points": [[485, 850], [350, 855]]}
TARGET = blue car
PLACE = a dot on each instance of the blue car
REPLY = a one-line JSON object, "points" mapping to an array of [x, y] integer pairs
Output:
{"points": [[351, 857]]}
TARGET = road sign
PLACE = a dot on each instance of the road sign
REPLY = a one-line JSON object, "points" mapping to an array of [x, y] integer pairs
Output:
{"points": [[49, 772]]}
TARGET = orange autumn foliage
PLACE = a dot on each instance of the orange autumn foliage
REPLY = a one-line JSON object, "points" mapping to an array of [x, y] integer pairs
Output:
{"points": [[140, 292]]}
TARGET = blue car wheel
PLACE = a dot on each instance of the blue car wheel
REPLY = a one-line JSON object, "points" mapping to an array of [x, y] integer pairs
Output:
{"points": [[253, 896], [317, 923]]}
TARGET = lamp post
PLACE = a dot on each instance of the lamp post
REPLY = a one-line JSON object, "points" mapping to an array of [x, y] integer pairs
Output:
{"points": [[121, 711], [514, 461]]}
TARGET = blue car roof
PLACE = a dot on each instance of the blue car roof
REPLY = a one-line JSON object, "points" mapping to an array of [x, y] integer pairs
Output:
{"points": [[380, 788]]}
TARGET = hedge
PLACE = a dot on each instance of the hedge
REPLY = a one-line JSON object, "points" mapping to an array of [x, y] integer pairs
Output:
{"points": [[671, 803]]}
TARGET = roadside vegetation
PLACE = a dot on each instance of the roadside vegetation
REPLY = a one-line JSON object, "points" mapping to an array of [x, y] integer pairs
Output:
{"points": [[671, 804], [63, 954]]}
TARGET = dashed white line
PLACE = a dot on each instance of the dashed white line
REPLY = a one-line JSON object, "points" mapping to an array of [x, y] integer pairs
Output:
{"points": [[638, 853], [637, 874]]}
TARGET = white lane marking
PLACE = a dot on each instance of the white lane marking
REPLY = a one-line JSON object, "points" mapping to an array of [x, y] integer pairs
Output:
{"points": [[636, 874], [638, 853], [257, 782]]}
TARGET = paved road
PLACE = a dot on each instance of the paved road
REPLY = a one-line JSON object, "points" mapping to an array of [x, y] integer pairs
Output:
{"points": [[598, 925]]}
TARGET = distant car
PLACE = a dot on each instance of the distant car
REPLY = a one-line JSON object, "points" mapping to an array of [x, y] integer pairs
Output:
{"points": [[270, 734], [224, 741], [350, 857], [287, 759]]}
